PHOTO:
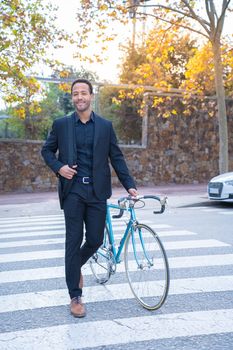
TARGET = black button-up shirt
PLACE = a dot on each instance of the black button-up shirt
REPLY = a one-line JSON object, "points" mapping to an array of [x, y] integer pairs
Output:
{"points": [[84, 140]]}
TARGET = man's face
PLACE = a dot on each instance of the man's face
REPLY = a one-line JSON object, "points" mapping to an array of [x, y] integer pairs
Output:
{"points": [[81, 97]]}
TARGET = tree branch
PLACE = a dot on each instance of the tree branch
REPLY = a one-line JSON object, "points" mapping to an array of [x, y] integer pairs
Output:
{"points": [[220, 23], [200, 20], [179, 25], [186, 14], [211, 11]]}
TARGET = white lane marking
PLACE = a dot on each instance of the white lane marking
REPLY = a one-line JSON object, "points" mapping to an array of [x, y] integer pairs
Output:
{"points": [[51, 298], [59, 271], [120, 331], [50, 218], [61, 231], [46, 230], [32, 274], [209, 210], [33, 217], [59, 253], [169, 233], [33, 234], [39, 241], [48, 222], [28, 227], [194, 208], [31, 223], [31, 228], [226, 212], [31, 243]]}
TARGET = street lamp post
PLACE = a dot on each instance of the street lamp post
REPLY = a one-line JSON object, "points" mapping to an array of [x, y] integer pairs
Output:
{"points": [[132, 6]]}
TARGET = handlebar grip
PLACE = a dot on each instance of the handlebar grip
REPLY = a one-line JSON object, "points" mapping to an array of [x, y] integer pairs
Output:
{"points": [[118, 216], [161, 210]]}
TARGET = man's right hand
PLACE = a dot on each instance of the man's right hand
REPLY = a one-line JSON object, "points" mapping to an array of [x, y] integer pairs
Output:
{"points": [[68, 172]]}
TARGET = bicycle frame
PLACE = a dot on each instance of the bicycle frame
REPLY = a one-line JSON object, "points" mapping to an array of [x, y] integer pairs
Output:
{"points": [[117, 251]]}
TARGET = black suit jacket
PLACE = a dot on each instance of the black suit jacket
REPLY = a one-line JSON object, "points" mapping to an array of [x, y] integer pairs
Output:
{"points": [[62, 139]]}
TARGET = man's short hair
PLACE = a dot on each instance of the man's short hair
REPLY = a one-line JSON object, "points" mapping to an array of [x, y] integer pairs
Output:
{"points": [[85, 81]]}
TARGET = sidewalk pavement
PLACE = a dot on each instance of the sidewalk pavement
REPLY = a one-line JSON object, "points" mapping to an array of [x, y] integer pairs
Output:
{"points": [[45, 203]]}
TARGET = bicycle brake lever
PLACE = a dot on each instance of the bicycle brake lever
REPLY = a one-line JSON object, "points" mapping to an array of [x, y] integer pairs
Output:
{"points": [[163, 201], [122, 203]]}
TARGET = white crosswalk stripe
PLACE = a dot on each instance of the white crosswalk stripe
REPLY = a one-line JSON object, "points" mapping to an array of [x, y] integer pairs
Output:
{"points": [[134, 328], [114, 292], [29, 232], [42, 220], [209, 210], [59, 253], [59, 272], [18, 223], [30, 228], [37, 218], [50, 227], [24, 243], [25, 234]]}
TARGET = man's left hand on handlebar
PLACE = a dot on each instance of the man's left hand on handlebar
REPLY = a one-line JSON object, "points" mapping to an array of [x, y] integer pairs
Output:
{"points": [[133, 192]]}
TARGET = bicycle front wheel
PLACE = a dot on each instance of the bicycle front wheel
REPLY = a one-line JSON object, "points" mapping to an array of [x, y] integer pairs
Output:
{"points": [[146, 267], [101, 261]]}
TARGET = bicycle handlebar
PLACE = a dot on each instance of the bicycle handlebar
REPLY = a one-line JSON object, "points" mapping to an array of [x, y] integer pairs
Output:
{"points": [[118, 216], [123, 200]]}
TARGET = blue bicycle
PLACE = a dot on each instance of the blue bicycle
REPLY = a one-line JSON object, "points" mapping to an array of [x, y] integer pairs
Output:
{"points": [[146, 263]]}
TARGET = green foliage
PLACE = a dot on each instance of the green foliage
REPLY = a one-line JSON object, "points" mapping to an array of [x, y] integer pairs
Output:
{"points": [[12, 127], [27, 31], [50, 106], [124, 116], [34, 107]]}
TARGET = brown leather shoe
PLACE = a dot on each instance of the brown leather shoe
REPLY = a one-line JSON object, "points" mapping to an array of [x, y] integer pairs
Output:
{"points": [[81, 281], [77, 308]]}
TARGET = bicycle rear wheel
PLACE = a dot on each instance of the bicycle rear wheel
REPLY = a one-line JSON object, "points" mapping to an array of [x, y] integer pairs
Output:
{"points": [[101, 261], [146, 266]]}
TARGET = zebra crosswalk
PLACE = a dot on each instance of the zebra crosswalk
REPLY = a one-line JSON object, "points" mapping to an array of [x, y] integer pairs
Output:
{"points": [[137, 328], [34, 311]]}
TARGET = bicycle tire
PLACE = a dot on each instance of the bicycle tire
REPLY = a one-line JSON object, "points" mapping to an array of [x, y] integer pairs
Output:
{"points": [[147, 269], [100, 262]]}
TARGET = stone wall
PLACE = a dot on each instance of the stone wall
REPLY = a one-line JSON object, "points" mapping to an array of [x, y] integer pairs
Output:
{"points": [[22, 168], [179, 150]]}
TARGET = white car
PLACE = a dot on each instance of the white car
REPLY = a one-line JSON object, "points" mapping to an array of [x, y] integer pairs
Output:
{"points": [[221, 187]]}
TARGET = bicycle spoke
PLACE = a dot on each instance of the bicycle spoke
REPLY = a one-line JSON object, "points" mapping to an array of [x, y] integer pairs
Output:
{"points": [[100, 262], [146, 267]]}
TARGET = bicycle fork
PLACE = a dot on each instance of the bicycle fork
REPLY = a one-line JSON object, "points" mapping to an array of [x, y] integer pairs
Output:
{"points": [[139, 232]]}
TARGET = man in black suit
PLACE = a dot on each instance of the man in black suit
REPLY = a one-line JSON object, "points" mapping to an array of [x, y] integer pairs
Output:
{"points": [[85, 142]]}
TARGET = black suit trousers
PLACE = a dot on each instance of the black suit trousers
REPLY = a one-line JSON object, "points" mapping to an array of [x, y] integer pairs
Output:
{"points": [[81, 209]]}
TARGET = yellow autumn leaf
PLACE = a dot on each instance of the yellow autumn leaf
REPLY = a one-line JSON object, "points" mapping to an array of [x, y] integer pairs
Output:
{"points": [[103, 7]]}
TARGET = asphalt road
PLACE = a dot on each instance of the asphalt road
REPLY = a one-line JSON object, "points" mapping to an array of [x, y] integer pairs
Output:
{"points": [[198, 237]]}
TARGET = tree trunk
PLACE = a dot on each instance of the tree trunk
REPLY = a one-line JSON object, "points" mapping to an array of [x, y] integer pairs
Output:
{"points": [[28, 124], [222, 115], [27, 128]]}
